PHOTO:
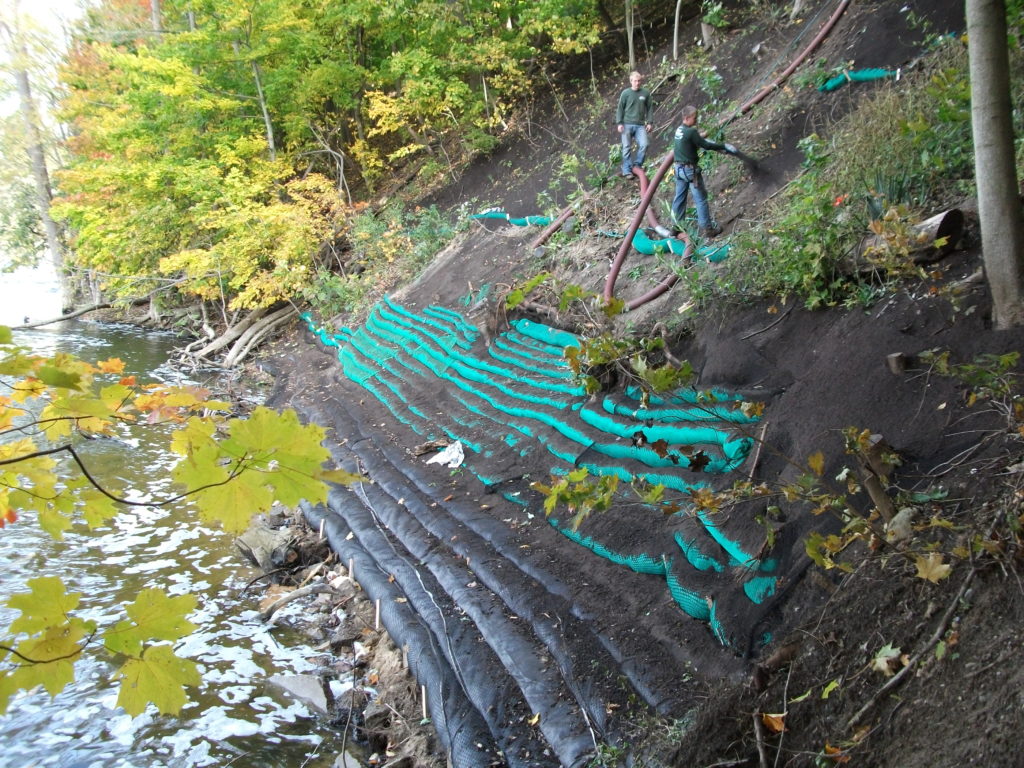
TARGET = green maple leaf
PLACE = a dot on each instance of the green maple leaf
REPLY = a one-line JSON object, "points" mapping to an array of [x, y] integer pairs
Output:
{"points": [[278, 437], [53, 654], [46, 605], [201, 468], [53, 376], [196, 434], [153, 616], [98, 508], [291, 487], [54, 521], [158, 677], [234, 503]]}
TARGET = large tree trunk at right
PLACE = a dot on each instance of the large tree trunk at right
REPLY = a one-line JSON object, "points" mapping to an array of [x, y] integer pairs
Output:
{"points": [[999, 208]]}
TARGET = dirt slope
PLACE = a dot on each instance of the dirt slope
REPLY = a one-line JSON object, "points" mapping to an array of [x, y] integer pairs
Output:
{"points": [[651, 638]]}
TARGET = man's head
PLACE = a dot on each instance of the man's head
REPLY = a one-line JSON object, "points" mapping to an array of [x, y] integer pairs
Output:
{"points": [[690, 115], [635, 79]]}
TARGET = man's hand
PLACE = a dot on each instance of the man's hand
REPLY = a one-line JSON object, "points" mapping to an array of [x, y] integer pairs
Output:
{"points": [[621, 128]]}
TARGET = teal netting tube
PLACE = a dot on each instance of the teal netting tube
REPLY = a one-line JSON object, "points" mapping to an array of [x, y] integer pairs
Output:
{"points": [[522, 429], [468, 331], [732, 548], [859, 76], [691, 602], [759, 588], [347, 367], [448, 341], [642, 563], [644, 244], [691, 396], [670, 433], [526, 221], [546, 334], [368, 345], [513, 357], [534, 348], [696, 558], [407, 323], [421, 347], [671, 415], [716, 625]]}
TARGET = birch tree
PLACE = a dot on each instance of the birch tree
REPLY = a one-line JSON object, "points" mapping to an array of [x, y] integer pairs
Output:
{"points": [[16, 64]]}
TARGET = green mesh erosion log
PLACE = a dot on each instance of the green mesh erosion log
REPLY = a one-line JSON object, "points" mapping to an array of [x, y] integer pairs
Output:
{"points": [[858, 76], [516, 406], [526, 221], [641, 241]]}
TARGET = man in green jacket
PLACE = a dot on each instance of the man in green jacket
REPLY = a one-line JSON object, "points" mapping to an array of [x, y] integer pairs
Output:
{"points": [[688, 176], [633, 117]]}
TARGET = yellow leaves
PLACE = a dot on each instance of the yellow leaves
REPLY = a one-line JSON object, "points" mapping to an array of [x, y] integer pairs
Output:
{"points": [[113, 365], [158, 677], [46, 605], [816, 462], [52, 656], [153, 616], [932, 567]]}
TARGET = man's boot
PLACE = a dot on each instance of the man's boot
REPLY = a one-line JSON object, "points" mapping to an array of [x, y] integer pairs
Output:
{"points": [[711, 231]]}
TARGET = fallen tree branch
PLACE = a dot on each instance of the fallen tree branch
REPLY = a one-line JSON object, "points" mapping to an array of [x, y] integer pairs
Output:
{"points": [[255, 334], [762, 753], [71, 315], [295, 594]]}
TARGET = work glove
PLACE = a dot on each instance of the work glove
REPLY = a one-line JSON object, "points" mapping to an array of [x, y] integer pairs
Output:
{"points": [[731, 149]]}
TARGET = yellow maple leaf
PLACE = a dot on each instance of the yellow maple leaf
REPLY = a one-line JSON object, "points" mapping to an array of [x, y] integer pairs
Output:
{"points": [[932, 567], [113, 365]]}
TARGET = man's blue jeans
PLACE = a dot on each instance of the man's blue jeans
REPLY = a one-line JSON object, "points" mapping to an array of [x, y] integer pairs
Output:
{"points": [[689, 177], [629, 134]]}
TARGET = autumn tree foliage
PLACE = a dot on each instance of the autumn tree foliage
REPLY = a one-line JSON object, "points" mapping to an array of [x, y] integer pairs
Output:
{"points": [[212, 161]]}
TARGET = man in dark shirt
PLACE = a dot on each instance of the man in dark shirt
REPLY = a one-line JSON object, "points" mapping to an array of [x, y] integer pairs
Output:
{"points": [[633, 117], [688, 176]]}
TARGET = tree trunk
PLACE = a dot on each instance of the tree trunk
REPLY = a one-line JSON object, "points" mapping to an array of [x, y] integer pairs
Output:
{"points": [[999, 207], [37, 157], [155, 18], [675, 31], [708, 33], [266, 112], [629, 35]]}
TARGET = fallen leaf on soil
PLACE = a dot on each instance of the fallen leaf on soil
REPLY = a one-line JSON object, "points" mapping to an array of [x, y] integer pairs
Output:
{"points": [[535, 719], [835, 754], [774, 723], [886, 659], [932, 567]]}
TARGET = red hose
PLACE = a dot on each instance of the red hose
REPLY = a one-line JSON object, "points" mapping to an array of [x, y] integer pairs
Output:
{"points": [[798, 60], [634, 225]]}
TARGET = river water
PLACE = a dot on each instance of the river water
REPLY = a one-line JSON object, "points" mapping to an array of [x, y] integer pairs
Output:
{"points": [[235, 717]]}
